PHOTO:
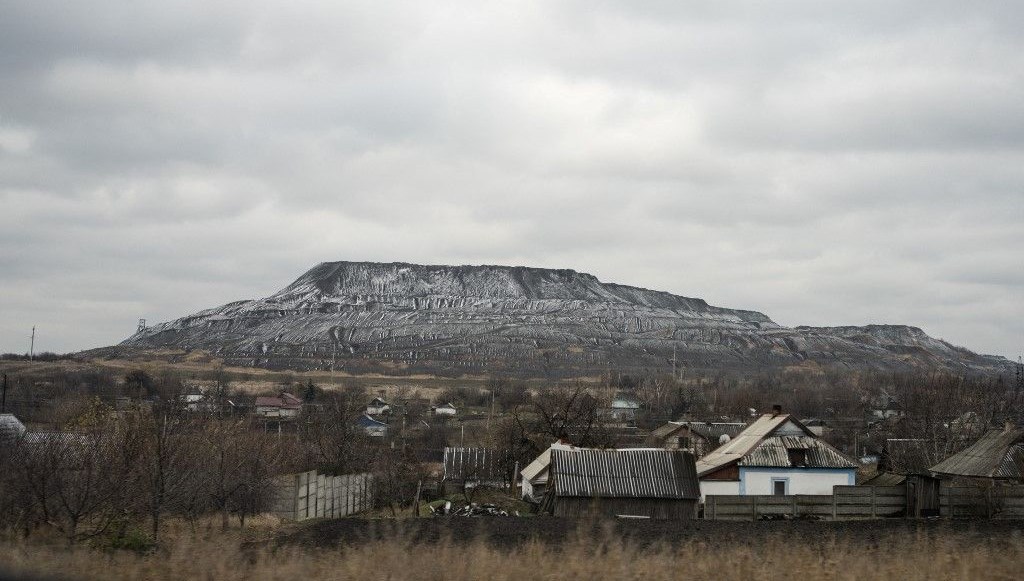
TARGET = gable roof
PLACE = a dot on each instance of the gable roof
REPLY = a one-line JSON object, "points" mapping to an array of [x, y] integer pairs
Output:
{"points": [[627, 473], [749, 443], [711, 431], [773, 452], [368, 422], [998, 454], [284, 401], [541, 463]]}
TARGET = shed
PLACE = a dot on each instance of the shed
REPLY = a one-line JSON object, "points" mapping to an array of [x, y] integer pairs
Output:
{"points": [[639, 482], [998, 455]]}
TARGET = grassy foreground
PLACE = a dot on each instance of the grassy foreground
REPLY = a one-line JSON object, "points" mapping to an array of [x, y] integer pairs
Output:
{"points": [[397, 558]]}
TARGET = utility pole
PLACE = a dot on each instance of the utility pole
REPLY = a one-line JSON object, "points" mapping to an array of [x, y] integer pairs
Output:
{"points": [[32, 345], [3, 403], [673, 361]]}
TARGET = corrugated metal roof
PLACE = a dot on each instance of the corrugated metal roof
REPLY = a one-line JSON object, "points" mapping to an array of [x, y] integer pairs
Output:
{"points": [[998, 454], [743, 443], [471, 463], [710, 430], [773, 452], [885, 479], [627, 473]]}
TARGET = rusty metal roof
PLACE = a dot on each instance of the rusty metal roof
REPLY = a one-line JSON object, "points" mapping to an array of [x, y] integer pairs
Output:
{"points": [[773, 452], [626, 473], [998, 454]]}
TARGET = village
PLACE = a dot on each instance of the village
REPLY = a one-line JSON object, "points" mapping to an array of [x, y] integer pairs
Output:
{"points": [[136, 450]]}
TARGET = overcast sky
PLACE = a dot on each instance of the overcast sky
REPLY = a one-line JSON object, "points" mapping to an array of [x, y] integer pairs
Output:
{"points": [[822, 162]]}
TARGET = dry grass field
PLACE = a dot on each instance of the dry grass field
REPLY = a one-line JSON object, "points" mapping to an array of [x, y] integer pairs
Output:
{"points": [[932, 555]]}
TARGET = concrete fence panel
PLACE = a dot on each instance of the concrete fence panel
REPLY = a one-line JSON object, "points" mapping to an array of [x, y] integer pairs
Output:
{"points": [[310, 495]]}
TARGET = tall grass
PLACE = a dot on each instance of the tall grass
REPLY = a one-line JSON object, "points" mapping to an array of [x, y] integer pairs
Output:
{"points": [[918, 557]]}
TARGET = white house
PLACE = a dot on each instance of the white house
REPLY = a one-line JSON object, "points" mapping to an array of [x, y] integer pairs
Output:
{"points": [[536, 474], [377, 407], [775, 455], [283, 406], [445, 410]]}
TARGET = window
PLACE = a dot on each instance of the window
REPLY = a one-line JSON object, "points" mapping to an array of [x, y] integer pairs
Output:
{"points": [[797, 456], [779, 486]]}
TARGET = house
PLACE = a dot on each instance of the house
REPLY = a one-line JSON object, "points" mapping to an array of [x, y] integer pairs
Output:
{"points": [[282, 406], [372, 427], [698, 438], [623, 408], [445, 410], [535, 475], [816, 426], [775, 455], [997, 456], [473, 467], [635, 482], [377, 407]]}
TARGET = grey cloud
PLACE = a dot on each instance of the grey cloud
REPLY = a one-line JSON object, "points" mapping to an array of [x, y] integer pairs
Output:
{"points": [[825, 163]]}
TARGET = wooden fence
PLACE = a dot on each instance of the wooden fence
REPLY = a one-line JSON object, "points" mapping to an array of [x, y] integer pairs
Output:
{"points": [[981, 501], [845, 502], [311, 495]]}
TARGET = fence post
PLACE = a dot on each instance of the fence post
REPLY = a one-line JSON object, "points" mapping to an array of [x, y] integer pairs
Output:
{"points": [[753, 508], [873, 509], [795, 511], [835, 504]]}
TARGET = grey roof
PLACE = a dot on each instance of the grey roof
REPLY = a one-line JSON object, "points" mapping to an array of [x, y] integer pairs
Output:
{"points": [[709, 430], [764, 430], [773, 452], [11, 427], [471, 463], [885, 479], [626, 473], [998, 454]]}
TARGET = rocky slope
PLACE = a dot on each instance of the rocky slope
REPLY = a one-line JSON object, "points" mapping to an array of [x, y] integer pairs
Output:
{"points": [[373, 317]]}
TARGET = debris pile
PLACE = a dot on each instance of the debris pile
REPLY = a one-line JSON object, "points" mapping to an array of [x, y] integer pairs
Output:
{"points": [[471, 509]]}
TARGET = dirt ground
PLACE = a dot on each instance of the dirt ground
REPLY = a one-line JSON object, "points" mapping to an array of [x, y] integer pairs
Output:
{"points": [[510, 531]]}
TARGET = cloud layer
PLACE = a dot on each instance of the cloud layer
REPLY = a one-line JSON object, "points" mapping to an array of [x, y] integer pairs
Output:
{"points": [[824, 163]]}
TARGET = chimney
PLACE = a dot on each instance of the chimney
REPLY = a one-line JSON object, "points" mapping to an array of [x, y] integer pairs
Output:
{"points": [[776, 410]]}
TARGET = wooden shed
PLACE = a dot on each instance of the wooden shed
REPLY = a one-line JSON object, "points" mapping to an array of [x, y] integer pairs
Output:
{"points": [[640, 482]]}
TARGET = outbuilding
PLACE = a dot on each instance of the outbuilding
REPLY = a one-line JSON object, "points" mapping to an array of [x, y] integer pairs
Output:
{"points": [[632, 482]]}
